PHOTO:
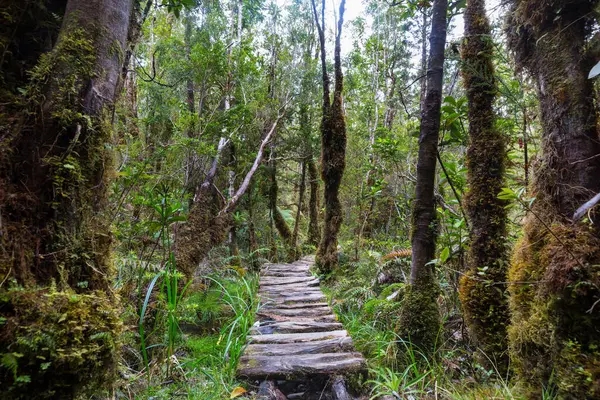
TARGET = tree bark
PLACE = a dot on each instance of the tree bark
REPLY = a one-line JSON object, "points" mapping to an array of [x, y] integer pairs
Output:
{"points": [[420, 320], [554, 322], [301, 191], [206, 227], [314, 233], [482, 289], [333, 147], [280, 224], [56, 239]]}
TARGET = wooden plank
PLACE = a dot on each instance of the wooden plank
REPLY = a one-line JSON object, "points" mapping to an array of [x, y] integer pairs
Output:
{"points": [[286, 267], [306, 309], [300, 366], [283, 298], [341, 345], [297, 337], [297, 312], [291, 287], [291, 306], [282, 318], [290, 290], [269, 274], [266, 281], [295, 327], [338, 389]]}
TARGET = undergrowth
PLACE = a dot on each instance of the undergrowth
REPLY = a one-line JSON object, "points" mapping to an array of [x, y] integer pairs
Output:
{"points": [[369, 311], [213, 323]]}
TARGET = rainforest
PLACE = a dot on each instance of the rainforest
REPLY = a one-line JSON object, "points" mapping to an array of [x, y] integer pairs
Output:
{"points": [[300, 199]]}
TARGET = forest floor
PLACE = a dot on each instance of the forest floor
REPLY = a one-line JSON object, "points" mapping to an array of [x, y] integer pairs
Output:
{"points": [[216, 321]]}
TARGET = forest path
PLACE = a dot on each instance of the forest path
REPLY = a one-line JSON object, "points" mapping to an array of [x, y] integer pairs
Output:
{"points": [[297, 337]]}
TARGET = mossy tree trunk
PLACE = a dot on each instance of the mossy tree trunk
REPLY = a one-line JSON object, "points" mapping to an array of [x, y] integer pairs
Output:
{"points": [[314, 233], [55, 181], [205, 227], [419, 319], [301, 191], [333, 146], [252, 239], [554, 335], [483, 292], [234, 251], [280, 224]]}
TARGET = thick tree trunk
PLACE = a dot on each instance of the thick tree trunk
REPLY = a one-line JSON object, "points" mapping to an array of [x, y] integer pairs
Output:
{"points": [[54, 184], [333, 148], [314, 233], [420, 320], [554, 334], [483, 295]]}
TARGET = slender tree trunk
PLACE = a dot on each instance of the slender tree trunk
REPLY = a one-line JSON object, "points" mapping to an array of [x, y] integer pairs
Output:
{"points": [[301, 191], [484, 304], [424, 25], [333, 147], [55, 236], [191, 105], [232, 239], [420, 320], [282, 227], [314, 233], [555, 321], [252, 239]]}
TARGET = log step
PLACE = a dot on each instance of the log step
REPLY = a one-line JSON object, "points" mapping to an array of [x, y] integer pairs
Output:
{"points": [[299, 366], [295, 327], [339, 345], [297, 337]]}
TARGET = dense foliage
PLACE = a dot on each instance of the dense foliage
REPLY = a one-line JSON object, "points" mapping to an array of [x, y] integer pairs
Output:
{"points": [[150, 163]]}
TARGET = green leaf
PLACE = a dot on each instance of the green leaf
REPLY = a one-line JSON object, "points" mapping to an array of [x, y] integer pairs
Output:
{"points": [[445, 254], [507, 194]]}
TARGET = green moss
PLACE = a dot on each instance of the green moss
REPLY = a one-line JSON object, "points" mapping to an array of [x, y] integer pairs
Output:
{"points": [[419, 321], [57, 344], [553, 335]]}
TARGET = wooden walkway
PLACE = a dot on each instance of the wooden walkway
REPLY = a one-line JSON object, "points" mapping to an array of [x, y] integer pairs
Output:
{"points": [[297, 335]]}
